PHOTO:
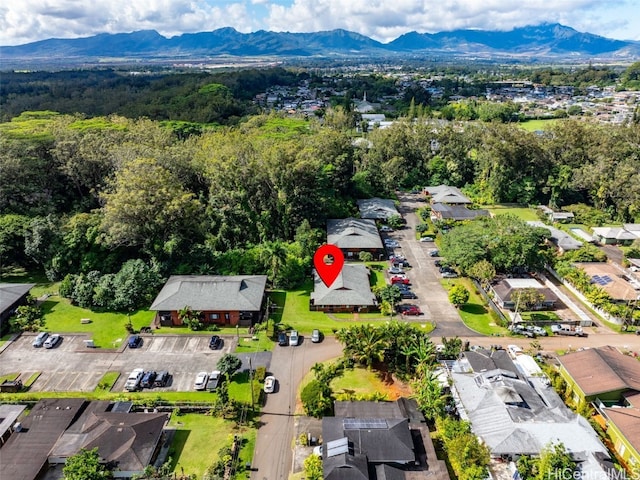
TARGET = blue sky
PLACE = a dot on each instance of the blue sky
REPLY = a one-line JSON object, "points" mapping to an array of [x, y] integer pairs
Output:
{"points": [[23, 21]]}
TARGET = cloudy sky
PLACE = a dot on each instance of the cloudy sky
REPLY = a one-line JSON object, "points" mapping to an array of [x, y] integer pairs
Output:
{"points": [[23, 21]]}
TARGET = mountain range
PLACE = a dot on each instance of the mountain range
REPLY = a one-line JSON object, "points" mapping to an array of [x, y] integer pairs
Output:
{"points": [[525, 43]]}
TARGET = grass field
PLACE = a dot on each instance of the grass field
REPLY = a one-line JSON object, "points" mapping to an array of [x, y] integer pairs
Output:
{"points": [[524, 213], [474, 313], [359, 381], [533, 125], [106, 328], [199, 438]]}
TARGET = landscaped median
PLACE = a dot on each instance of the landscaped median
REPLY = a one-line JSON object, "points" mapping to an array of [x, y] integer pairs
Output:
{"points": [[475, 313]]}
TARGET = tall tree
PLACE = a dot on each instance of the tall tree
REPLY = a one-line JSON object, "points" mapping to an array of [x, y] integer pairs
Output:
{"points": [[86, 465]]}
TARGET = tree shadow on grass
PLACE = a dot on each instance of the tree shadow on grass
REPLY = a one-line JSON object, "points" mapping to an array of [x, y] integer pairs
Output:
{"points": [[177, 446], [48, 305], [474, 309]]}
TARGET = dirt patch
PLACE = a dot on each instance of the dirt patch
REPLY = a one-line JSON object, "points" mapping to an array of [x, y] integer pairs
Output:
{"points": [[393, 387]]}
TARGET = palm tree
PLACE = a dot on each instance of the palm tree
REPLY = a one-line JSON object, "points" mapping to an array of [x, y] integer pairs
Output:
{"points": [[371, 345]]}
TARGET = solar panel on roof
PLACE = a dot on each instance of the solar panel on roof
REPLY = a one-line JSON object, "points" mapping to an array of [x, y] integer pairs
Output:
{"points": [[337, 447], [601, 279], [363, 423]]}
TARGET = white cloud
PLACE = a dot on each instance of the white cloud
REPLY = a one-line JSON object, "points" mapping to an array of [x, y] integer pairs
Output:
{"points": [[23, 21]]}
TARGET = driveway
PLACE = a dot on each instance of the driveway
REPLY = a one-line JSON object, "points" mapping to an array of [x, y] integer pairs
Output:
{"points": [[425, 277], [71, 366]]}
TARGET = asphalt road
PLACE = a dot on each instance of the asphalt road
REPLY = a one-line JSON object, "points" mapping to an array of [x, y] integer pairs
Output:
{"points": [[273, 456]]}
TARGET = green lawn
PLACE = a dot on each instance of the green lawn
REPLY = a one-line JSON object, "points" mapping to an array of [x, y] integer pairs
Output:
{"points": [[524, 213], [539, 316], [199, 438], [474, 313], [533, 125], [106, 328], [358, 381]]}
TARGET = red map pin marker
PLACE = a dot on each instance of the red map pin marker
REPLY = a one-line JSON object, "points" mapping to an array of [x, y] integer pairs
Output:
{"points": [[328, 272]]}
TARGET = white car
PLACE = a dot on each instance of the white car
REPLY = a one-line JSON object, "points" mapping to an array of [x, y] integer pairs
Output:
{"points": [[269, 384], [52, 341], [201, 381], [426, 239], [40, 339], [386, 228], [294, 338], [134, 379]]}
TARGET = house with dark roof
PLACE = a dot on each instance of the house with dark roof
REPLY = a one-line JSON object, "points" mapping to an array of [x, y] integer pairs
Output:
{"points": [[503, 293], [355, 235], [559, 238], [600, 373], [350, 292], [379, 441], [377, 208], [12, 295], [58, 428], [220, 299], [458, 213]]}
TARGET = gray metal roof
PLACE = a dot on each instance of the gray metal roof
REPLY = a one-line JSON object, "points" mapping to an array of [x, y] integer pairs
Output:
{"points": [[377, 208], [11, 292], [350, 288], [353, 233], [211, 292], [446, 194]]}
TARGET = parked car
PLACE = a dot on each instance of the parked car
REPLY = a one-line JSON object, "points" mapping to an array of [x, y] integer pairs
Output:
{"points": [[215, 342], [316, 336], [438, 263], [201, 381], [52, 341], [434, 253], [135, 341], [133, 380], [449, 274], [269, 384], [408, 294], [521, 330], [386, 228], [162, 378], [403, 280], [569, 330], [409, 309], [283, 340], [403, 287], [426, 239], [537, 330], [148, 379], [391, 243], [40, 339], [395, 271], [214, 380], [294, 338]]}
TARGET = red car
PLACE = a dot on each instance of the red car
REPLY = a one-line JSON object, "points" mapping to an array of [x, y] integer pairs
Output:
{"points": [[409, 310], [402, 280]]}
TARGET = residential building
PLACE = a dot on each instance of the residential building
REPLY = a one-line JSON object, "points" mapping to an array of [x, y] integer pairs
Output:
{"points": [[12, 295], [620, 287], [379, 440], [556, 216], [377, 208], [503, 293], [559, 238], [446, 194], [613, 236], [220, 299], [355, 235], [350, 292], [443, 211]]}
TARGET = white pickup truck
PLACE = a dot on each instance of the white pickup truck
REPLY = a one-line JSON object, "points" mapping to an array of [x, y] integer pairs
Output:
{"points": [[570, 330]]}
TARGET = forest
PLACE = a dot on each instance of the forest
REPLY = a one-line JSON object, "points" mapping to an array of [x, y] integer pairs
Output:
{"points": [[107, 195]]}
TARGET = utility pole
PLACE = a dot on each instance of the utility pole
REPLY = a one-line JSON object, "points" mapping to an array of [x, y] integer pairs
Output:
{"points": [[251, 383]]}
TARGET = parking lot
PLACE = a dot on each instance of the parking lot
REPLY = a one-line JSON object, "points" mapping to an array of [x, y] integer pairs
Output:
{"points": [[72, 366]]}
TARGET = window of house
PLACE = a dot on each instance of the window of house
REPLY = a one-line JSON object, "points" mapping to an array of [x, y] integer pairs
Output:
{"points": [[226, 317], [214, 316]]}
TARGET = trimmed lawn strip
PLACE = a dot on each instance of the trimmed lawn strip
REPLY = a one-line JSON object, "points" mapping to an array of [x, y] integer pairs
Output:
{"points": [[259, 342], [539, 316], [9, 377], [107, 381], [358, 381], [474, 313], [34, 376]]}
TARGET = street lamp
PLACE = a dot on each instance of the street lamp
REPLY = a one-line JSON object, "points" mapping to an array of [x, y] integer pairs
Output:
{"points": [[238, 332]]}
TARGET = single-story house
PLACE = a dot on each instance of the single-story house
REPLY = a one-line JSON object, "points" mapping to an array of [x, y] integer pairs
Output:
{"points": [[381, 440], [350, 292], [58, 428], [611, 280], [446, 194], [613, 236], [633, 228], [444, 211], [8, 416], [221, 299], [12, 295], [355, 235], [504, 290], [555, 216], [622, 426], [516, 414], [600, 373], [377, 208], [559, 238]]}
